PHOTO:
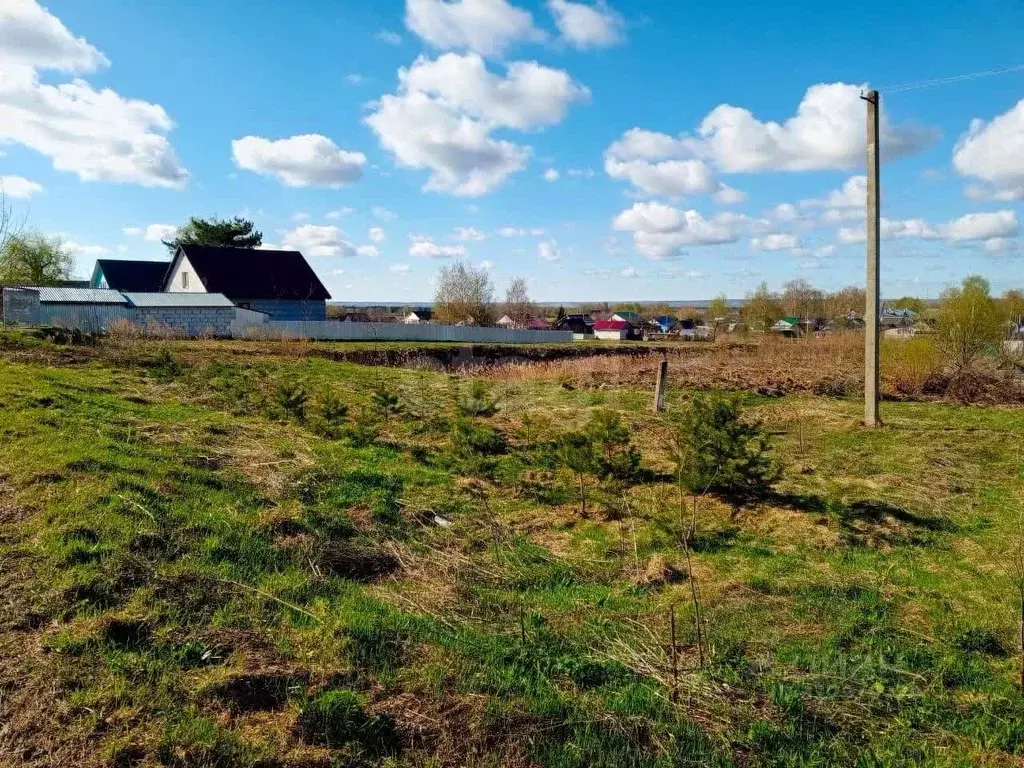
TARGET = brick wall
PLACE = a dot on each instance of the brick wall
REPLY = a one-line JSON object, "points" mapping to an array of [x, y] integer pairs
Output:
{"points": [[192, 321]]}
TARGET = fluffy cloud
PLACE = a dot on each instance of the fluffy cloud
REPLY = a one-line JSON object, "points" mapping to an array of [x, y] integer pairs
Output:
{"points": [[659, 230], [32, 37], [85, 250], [424, 246], [548, 251], [157, 232], [377, 235], [487, 27], [993, 153], [551, 175], [317, 240], [982, 226], [827, 132], [629, 273], [527, 97], [853, 194], [369, 251], [445, 111], [969, 228], [132, 231], [383, 213], [658, 164], [776, 241], [18, 186], [466, 234], [98, 135], [301, 161], [587, 26]]}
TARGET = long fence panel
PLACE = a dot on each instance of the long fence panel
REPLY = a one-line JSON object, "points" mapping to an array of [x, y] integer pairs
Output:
{"points": [[340, 331]]}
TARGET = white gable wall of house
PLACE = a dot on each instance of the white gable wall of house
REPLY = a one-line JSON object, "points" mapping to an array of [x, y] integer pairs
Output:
{"points": [[184, 278]]}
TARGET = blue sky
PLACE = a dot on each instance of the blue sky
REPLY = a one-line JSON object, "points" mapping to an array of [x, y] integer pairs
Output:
{"points": [[622, 150]]}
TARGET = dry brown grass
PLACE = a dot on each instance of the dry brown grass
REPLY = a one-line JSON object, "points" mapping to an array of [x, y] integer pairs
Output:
{"points": [[771, 365]]}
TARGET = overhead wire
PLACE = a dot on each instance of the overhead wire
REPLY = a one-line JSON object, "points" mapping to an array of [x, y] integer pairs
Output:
{"points": [[913, 86]]}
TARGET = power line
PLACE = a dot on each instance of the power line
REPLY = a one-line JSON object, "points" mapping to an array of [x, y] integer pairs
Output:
{"points": [[946, 80]]}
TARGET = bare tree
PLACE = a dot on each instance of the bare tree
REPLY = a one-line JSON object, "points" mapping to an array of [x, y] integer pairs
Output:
{"points": [[464, 294], [518, 306], [762, 308], [801, 299]]}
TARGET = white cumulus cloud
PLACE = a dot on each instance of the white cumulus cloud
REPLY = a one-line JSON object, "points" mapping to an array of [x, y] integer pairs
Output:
{"points": [[317, 240], [551, 174], [424, 246], [300, 161], [659, 230], [969, 228], [382, 213], [584, 26], [445, 112], [487, 27], [97, 134], [993, 152], [19, 186], [466, 234], [85, 250], [377, 235], [827, 132], [776, 241], [659, 164], [548, 251], [157, 232]]}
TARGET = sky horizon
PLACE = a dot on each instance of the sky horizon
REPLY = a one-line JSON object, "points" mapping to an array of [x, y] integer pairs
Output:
{"points": [[609, 151]]}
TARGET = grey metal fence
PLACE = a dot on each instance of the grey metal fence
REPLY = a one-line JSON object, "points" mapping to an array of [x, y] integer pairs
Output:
{"points": [[337, 331]]}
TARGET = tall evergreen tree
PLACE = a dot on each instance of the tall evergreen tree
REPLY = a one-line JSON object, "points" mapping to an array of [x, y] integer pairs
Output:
{"points": [[235, 233]]}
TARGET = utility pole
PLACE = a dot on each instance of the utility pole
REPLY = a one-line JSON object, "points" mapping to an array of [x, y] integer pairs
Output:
{"points": [[873, 307]]}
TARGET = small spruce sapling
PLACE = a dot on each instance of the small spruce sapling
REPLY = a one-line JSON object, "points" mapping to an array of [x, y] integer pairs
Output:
{"points": [[575, 451]]}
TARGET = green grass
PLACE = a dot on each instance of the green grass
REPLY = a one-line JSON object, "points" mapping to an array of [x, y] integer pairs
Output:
{"points": [[196, 571]]}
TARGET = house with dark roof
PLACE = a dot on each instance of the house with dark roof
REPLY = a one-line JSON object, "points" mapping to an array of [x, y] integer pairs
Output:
{"points": [[129, 275], [280, 284], [580, 325]]}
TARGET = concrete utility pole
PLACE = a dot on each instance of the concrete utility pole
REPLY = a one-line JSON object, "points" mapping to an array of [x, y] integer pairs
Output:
{"points": [[873, 307]]}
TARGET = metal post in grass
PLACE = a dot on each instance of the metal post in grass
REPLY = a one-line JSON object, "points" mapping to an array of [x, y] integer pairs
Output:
{"points": [[660, 385]]}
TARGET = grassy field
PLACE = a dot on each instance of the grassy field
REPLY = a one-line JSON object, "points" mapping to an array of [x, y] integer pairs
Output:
{"points": [[213, 557]]}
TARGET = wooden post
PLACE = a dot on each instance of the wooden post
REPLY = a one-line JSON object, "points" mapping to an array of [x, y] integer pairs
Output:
{"points": [[873, 231], [660, 385]]}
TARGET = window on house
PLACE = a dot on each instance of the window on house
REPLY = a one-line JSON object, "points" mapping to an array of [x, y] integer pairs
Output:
{"points": [[184, 279]]}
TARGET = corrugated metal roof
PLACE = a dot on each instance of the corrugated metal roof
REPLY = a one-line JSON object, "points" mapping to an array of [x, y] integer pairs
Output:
{"points": [[55, 295], [178, 299]]}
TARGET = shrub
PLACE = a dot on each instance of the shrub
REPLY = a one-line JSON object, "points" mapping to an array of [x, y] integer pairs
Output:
{"points": [[332, 415], [909, 364], [575, 451], [615, 458], [291, 397], [717, 450], [337, 719], [384, 402], [970, 323], [479, 401], [471, 439]]}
